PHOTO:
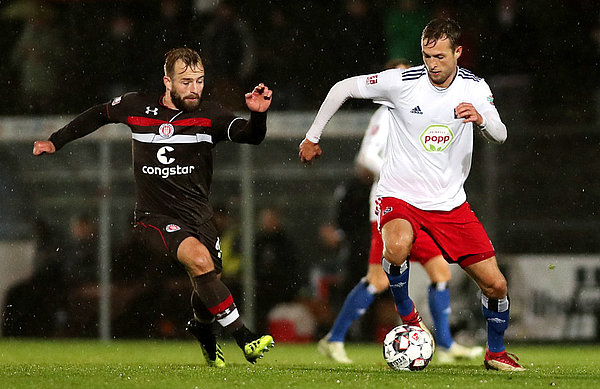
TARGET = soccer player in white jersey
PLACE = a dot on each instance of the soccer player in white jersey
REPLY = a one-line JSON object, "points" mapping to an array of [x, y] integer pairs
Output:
{"points": [[371, 157], [434, 110]]}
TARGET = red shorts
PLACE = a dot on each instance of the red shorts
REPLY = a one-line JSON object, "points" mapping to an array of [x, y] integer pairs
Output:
{"points": [[458, 233], [423, 249]]}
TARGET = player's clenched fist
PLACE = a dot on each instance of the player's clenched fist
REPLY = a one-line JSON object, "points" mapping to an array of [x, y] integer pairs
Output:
{"points": [[309, 150], [43, 146]]}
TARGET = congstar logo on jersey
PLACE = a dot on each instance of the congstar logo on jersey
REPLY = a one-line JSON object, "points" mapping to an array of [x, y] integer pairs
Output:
{"points": [[163, 156], [436, 138]]}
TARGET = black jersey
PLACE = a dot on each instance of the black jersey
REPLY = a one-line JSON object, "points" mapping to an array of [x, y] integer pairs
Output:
{"points": [[172, 149]]}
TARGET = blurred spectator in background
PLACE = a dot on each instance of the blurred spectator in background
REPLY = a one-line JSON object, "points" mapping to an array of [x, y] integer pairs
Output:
{"points": [[280, 58], [507, 41], [79, 262], [505, 57], [359, 39], [229, 234], [32, 306], [278, 274], [356, 46], [167, 24], [15, 205], [351, 201], [595, 35], [228, 48], [38, 55], [403, 26], [345, 243], [120, 42], [469, 20], [60, 298]]}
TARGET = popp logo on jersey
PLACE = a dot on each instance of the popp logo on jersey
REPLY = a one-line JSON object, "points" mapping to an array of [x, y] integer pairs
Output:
{"points": [[436, 138]]}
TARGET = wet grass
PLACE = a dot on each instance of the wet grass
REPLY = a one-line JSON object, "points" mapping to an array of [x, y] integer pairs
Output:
{"points": [[150, 364]]}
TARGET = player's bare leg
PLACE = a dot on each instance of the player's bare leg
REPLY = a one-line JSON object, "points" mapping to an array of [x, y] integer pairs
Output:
{"points": [[397, 235], [496, 310]]}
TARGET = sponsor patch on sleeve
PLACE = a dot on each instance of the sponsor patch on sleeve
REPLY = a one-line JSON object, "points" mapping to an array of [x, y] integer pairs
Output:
{"points": [[490, 99], [116, 100], [371, 80]]}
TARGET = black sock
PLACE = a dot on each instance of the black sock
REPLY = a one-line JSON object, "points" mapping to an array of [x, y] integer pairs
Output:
{"points": [[242, 336], [203, 332], [216, 297]]}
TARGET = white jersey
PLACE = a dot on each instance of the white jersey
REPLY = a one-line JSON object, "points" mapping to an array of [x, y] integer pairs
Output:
{"points": [[372, 150], [429, 149]]}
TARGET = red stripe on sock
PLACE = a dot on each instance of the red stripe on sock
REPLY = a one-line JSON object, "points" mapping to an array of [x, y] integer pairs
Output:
{"points": [[222, 306]]}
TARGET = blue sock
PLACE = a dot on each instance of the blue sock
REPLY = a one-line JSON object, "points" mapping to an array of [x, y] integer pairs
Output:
{"points": [[357, 302], [439, 306], [496, 312], [398, 277]]}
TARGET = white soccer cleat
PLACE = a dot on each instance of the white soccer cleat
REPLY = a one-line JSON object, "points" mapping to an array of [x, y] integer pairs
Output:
{"points": [[333, 350], [456, 352]]}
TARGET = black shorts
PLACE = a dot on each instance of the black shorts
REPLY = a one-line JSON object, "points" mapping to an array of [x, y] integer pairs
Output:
{"points": [[163, 235]]}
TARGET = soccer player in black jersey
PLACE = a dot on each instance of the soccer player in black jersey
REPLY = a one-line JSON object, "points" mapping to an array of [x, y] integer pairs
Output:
{"points": [[173, 135]]}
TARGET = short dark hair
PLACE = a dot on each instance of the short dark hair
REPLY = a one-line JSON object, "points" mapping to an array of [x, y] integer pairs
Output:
{"points": [[440, 29], [395, 62], [189, 57]]}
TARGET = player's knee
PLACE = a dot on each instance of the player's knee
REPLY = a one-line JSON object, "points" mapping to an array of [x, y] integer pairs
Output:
{"points": [[396, 250], [195, 257], [496, 288], [197, 261], [203, 264]]}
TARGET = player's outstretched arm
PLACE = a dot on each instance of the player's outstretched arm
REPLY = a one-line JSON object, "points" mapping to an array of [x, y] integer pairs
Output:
{"points": [[338, 94], [43, 146], [309, 150], [259, 100]]}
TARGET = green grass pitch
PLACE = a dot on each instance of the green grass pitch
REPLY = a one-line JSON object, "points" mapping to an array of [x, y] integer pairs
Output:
{"points": [[179, 364]]}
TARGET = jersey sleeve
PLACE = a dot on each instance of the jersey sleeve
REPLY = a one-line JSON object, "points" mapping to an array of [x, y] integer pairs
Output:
{"points": [[377, 87], [251, 131], [229, 127], [119, 108], [483, 98], [84, 124], [381, 87], [492, 127]]}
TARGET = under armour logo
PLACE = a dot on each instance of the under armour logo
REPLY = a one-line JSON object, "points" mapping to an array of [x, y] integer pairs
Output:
{"points": [[154, 111]]}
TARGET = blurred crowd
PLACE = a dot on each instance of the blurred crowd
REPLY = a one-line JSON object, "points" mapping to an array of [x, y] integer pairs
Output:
{"points": [[62, 56], [293, 297]]}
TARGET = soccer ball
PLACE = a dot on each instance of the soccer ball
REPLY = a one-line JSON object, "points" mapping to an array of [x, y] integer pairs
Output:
{"points": [[408, 348]]}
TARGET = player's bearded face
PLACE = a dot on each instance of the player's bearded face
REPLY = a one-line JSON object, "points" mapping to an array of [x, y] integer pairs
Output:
{"points": [[186, 87], [441, 61], [187, 103]]}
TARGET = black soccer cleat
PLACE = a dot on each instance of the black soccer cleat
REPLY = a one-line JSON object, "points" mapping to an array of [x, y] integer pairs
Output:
{"points": [[208, 343]]}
